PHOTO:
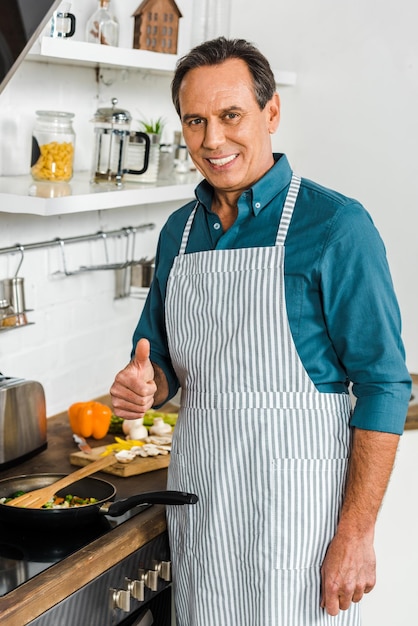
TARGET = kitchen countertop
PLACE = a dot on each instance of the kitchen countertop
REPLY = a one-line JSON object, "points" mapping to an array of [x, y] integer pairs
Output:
{"points": [[36, 596]]}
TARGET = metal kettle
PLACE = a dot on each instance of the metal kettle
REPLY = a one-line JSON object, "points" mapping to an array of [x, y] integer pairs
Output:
{"points": [[112, 132]]}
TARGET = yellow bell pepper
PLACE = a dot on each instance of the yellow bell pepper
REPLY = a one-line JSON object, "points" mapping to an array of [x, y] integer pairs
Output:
{"points": [[90, 419]]}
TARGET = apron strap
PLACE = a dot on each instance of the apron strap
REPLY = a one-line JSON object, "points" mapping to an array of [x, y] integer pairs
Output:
{"points": [[289, 205], [187, 228]]}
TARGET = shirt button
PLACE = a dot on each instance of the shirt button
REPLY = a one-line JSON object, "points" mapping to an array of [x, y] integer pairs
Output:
{"points": [[216, 226], [257, 205]]}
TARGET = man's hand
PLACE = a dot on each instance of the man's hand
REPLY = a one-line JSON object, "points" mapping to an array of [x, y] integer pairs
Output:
{"points": [[348, 572], [349, 567], [134, 387]]}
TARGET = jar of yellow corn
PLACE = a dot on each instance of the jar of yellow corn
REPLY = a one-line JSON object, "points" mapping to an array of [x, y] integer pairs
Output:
{"points": [[53, 142]]}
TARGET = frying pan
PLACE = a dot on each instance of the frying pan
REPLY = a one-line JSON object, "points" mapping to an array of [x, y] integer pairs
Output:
{"points": [[88, 487]]}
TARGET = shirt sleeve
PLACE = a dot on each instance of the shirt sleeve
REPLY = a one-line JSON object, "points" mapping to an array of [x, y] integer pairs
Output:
{"points": [[363, 320], [151, 324]]}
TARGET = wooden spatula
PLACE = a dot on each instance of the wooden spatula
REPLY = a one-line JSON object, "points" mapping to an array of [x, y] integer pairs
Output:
{"points": [[37, 498]]}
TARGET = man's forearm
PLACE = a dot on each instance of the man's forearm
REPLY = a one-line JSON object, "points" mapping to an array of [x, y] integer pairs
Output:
{"points": [[372, 458]]}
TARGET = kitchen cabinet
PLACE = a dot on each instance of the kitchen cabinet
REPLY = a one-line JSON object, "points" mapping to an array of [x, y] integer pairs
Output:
{"points": [[19, 194]]}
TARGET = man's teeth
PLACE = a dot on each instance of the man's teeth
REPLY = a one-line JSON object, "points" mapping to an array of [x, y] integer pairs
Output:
{"points": [[223, 161]]}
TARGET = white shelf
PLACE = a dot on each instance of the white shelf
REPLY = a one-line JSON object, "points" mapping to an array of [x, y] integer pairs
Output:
{"points": [[20, 194], [69, 51]]}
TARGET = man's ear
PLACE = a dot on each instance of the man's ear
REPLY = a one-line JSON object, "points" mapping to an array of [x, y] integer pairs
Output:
{"points": [[273, 113]]}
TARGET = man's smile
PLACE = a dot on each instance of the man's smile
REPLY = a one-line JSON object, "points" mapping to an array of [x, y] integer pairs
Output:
{"points": [[222, 160]]}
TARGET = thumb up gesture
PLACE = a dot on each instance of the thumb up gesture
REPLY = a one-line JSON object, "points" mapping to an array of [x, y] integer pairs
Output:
{"points": [[134, 387]]}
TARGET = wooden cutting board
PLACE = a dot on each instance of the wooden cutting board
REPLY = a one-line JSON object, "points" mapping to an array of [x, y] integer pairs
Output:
{"points": [[139, 465]]}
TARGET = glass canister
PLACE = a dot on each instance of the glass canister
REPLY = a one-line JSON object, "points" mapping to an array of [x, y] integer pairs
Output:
{"points": [[53, 143], [103, 27]]}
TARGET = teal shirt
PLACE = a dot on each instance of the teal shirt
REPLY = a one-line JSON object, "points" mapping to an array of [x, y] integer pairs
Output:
{"points": [[341, 305]]}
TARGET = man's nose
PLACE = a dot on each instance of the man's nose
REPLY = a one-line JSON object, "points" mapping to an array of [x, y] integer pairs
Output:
{"points": [[214, 135]]}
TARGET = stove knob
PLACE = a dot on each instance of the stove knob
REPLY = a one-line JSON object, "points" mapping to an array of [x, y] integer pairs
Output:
{"points": [[164, 570], [136, 588], [150, 578], [120, 599]]}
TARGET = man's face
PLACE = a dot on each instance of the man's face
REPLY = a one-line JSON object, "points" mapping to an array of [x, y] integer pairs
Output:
{"points": [[227, 135]]}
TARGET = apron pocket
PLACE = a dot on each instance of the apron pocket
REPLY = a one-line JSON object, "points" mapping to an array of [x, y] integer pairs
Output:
{"points": [[306, 497]]}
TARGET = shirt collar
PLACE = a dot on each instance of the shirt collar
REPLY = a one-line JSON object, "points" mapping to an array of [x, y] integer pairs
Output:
{"points": [[262, 192]]}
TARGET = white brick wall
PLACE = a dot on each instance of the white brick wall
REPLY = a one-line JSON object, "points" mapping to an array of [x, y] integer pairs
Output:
{"points": [[81, 336]]}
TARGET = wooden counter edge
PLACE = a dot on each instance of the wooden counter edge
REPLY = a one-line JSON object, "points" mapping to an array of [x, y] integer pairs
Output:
{"points": [[54, 585]]}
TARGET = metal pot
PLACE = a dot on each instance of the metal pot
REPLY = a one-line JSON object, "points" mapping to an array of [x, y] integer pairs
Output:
{"points": [[89, 487], [142, 273]]}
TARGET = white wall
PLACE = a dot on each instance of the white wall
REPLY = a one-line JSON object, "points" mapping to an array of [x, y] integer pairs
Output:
{"points": [[351, 123]]}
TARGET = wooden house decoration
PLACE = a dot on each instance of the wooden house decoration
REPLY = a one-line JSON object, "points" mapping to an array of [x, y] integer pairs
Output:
{"points": [[156, 26]]}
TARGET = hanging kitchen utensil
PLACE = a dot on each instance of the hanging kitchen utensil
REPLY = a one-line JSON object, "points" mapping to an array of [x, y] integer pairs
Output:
{"points": [[142, 273], [107, 265], [123, 273], [112, 131], [14, 292]]}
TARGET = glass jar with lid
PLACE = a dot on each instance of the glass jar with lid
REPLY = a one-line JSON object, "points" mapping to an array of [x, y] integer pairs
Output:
{"points": [[53, 143]]}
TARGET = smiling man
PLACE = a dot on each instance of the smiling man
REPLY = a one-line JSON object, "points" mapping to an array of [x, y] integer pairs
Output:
{"points": [[226, 132], [271, 295]]}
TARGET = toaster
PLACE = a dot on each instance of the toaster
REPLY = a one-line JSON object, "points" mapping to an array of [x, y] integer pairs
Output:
{"points": [[22, 420]]}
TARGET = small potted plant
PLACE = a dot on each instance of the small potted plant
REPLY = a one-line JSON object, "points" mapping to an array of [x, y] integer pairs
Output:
{"points": [[153, 127]]}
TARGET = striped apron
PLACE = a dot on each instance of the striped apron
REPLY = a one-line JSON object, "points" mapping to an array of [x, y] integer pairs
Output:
{"points": [[266, 452]]}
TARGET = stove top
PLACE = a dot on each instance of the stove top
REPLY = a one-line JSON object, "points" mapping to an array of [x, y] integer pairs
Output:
{"points": [[24, 553]]}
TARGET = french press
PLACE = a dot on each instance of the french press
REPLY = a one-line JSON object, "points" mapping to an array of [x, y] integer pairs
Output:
{"points": [[112, 131]]}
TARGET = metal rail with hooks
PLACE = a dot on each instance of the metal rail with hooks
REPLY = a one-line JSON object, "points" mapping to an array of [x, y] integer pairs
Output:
{"points": [[128, 232], [77, 239]]}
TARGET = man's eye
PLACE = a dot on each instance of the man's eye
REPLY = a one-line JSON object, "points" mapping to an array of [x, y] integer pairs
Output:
{"points": [[195, 122], [231, 116]]}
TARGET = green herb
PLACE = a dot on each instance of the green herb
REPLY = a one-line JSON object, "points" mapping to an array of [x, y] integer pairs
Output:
{"points": [[154, 127]]}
